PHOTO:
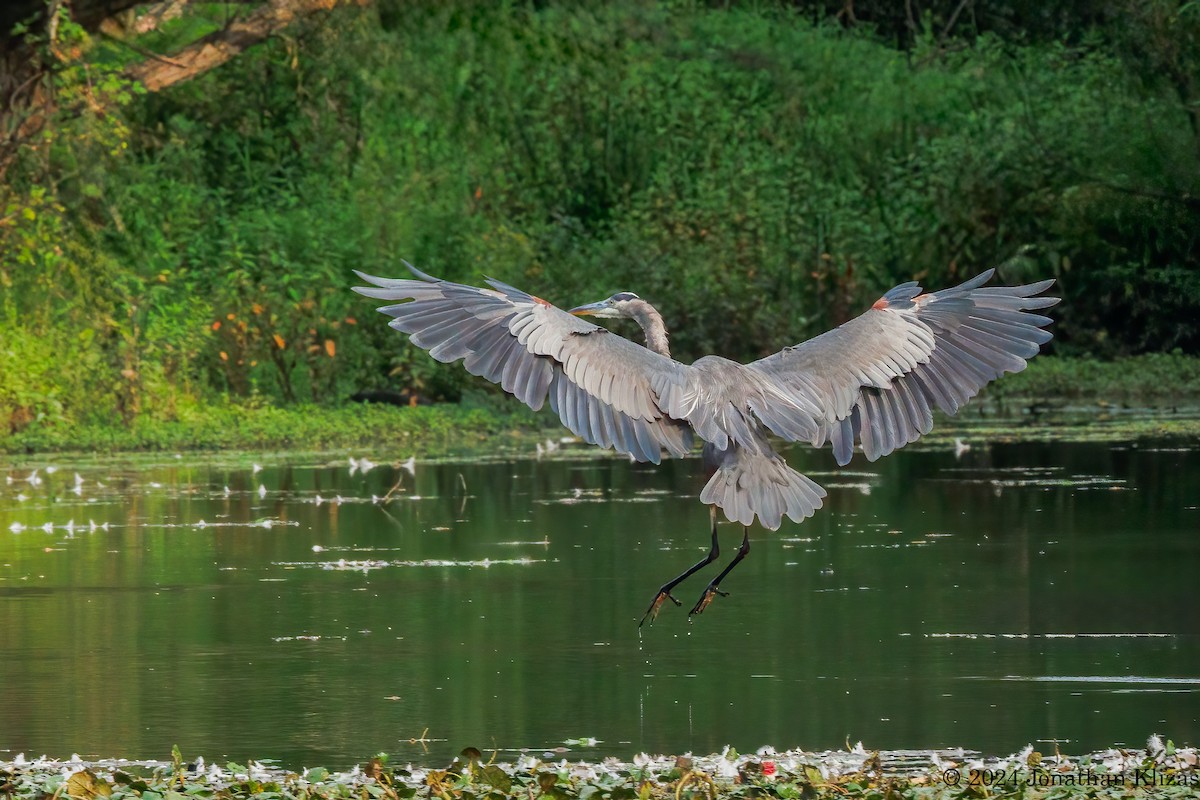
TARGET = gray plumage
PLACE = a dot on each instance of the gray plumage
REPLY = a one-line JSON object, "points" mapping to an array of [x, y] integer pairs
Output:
{"points": [[872, 382]]}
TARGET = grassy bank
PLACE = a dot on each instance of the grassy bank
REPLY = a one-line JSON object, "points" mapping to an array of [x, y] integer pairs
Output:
{"points": [[1165, 381], [1158, 379], [424, 430]]}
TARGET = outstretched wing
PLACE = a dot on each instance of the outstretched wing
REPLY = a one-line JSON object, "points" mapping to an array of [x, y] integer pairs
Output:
{"points": [[878, 377], [599, 384]]}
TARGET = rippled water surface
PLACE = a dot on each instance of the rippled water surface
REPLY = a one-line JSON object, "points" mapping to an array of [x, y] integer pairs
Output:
{"points": [[1015, 593]]}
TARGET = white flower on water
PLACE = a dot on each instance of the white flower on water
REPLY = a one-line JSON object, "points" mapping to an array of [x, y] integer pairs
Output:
{"points": [[363, 465]]}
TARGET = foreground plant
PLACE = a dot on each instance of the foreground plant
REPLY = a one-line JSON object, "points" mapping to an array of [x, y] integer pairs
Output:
{"points": [[1160, 770]]}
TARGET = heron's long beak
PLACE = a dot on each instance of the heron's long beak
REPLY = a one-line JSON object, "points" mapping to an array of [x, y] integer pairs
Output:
{"points": [[591, 309]]}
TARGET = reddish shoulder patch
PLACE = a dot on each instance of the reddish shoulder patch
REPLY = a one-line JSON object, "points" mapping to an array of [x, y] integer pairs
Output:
{"points": [[880, 304], [540, 301]]}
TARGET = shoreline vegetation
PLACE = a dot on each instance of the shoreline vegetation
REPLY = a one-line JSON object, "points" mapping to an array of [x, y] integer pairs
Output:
{"points": [[176, 258], [1071, 397], [1162, 770]]}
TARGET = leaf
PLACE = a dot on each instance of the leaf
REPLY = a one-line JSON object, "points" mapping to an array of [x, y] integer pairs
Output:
{"points": [[84, 785], [125, 779], [330, 348], [496, 777], [279, 342]]}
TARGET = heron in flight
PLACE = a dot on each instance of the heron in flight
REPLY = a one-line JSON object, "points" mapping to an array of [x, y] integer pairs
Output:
{"points": [[872, 382]]}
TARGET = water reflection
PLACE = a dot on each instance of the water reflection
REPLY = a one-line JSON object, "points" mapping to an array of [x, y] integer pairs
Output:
{"points": [[316, 613]]}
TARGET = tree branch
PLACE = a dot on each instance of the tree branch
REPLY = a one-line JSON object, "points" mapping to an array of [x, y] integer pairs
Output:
{"points": [[220, 46]]}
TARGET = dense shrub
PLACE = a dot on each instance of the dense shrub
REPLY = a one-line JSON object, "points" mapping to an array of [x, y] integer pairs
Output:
{"points": [[760, 173]]}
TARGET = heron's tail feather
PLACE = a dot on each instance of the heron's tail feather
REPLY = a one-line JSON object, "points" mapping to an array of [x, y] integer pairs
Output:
{"points": [[748, 484]]}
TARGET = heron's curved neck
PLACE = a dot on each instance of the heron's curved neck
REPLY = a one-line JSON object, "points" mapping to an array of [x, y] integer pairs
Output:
{"points": [[651, 321]]}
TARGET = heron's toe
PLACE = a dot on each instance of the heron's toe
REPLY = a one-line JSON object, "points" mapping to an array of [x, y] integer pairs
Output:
{"points": [[656, 605], [706, 598]]}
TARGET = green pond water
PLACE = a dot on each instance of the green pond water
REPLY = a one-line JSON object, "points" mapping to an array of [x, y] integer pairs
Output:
{"points": [[1016, 593]]}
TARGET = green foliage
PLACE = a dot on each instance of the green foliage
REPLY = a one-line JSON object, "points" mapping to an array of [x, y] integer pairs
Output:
{"points": [[758, 175]]}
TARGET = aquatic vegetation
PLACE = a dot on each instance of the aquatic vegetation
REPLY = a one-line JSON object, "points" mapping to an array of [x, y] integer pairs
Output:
{"points": [[1161, 770]]}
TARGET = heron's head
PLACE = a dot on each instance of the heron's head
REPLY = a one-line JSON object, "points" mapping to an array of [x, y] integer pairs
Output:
{"points": [[619, 305]]}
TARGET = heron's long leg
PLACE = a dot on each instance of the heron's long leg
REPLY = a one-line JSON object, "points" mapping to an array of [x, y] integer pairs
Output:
{"points": [[713, 588], [664, 593]]}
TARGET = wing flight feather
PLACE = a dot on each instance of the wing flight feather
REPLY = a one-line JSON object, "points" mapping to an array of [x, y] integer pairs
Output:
{"points": [[599, 384], [877, 378]]}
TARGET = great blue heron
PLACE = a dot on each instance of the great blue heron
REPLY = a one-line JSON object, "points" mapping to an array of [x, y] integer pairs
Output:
{"points": [[873, 381]]}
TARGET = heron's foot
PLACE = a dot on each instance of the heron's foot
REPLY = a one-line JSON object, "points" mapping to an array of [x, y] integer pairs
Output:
{"points": [[711, 592], [664, 594]]}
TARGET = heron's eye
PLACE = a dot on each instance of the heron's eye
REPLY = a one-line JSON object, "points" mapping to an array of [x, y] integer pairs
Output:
{"points": [[622, 296]]}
